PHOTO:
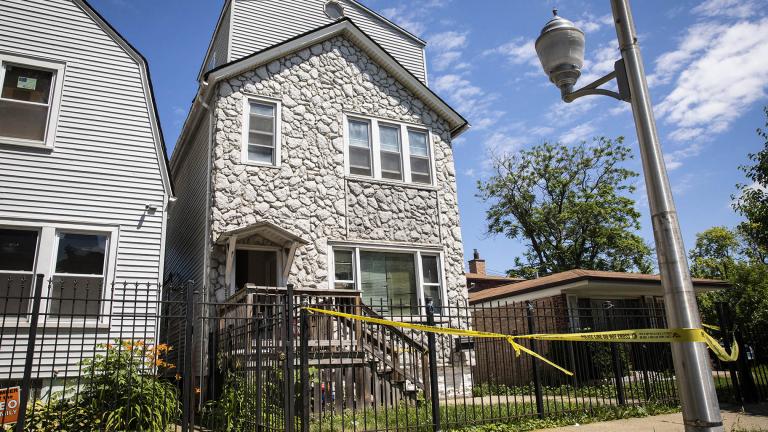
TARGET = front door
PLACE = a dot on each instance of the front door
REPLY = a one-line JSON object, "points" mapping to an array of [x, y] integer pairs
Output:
{"points": [[257, 267]]}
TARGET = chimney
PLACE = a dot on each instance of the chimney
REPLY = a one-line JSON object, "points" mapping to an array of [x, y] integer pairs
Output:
{"points": [[477, 265]]}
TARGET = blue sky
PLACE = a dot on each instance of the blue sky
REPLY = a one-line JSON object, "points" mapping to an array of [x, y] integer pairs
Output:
{"points": [[707, 63]]}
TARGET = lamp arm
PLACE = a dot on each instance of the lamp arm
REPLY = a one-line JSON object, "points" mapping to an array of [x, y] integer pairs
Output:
{"points": [[570, 95]]}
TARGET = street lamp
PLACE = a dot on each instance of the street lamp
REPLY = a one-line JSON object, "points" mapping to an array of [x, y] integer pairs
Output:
{"points": [[560, 48]]}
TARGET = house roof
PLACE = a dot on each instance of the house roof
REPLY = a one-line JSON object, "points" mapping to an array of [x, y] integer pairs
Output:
{"points": [[346, 27], [268, 230], [154, 116], [478, 276], [564, 278]]}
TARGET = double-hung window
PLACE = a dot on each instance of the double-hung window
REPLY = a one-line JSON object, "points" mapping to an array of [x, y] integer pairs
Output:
{"points": [[419, 149], [18, 250], [29, 100], [262, 133], [73, 262], [395, 280], [388, 151], [78, 276], [360, 148]]}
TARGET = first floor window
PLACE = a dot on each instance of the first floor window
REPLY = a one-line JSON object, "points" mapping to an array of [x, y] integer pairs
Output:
{"points": [[261, 133], [18, 250], [389, 279], [344, 269], [78, 279]]}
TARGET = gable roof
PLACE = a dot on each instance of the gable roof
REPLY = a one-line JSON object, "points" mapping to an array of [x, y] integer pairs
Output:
{"points": [[154, 116], [346, 27], [570, 276]]}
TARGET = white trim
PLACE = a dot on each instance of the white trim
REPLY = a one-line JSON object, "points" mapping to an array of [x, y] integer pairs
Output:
{"points": [[374, 123], [45, 260], [279, 280], [277, 135], [457, 124], [54, 99], [412, 250]]}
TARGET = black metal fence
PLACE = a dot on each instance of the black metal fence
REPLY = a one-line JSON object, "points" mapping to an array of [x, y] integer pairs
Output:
{"points": [[148, 357]]}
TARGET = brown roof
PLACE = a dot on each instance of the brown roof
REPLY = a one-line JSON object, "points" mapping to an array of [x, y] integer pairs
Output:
{"points": [[569, 276], [478, 276]]}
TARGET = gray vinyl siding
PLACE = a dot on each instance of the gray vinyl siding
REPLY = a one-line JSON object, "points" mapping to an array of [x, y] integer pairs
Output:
{"points": [[189, 218], [259, 24], [219, 53], [104, 168]]}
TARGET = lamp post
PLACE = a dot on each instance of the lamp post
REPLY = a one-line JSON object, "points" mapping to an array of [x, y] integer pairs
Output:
{"points": [[560, 48]]}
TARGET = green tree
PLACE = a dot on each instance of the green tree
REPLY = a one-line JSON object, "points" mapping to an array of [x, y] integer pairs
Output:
{"points": [[715, 253], [751, 201], [571, 205]]}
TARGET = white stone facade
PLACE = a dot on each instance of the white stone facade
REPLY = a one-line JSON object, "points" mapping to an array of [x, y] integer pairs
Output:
{"points": [[308, 193]]}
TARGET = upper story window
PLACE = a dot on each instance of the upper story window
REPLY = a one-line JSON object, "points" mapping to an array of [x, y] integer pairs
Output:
{"points": [[261, 133], [29, 100], [388, 150]]}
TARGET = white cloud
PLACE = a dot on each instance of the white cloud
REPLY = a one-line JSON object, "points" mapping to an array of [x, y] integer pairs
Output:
{"points": [[591, 23], [447, 41], [728, 8], [674, 160], [500, 143], [578, 133], [600, 64], [517, 51], [718, 79]]}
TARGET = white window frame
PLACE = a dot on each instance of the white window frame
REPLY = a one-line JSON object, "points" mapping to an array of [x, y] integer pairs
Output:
{"points": [[405, 150], [31, 273], [415, 252], [45, 264], [54, 101], [277, 136], [355, 264]]}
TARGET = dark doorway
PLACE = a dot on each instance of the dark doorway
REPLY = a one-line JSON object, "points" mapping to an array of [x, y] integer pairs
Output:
{"points": [[256, 267]]}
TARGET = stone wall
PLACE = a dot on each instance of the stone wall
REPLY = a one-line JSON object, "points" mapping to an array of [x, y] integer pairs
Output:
{"points": [[308, 193]]}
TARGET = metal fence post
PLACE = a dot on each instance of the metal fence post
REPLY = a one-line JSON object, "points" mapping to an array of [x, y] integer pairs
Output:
{"points": [[725, 330], [188, 393], [432, 345], [618, 375], [26, 380], [744, 382], [304, 340], [259, 319], [534, 364], [289, 359]]}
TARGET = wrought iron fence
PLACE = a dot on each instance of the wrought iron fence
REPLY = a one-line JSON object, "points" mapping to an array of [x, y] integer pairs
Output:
{"points": [[159, 355]]}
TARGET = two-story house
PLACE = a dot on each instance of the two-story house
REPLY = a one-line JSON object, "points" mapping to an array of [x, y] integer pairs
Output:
{"points": [[315, 154], [84, 181]]}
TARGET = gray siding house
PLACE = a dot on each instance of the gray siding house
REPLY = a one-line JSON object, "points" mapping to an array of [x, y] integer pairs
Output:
{"points": [[315, 154], [84, 183]]}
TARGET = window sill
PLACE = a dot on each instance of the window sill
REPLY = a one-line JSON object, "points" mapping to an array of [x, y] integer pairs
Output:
{"points": [[420, 186], [16, 142], [261, 164]]}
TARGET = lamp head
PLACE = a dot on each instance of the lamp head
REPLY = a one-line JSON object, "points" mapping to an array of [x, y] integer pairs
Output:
{"points": [[560, 48]]}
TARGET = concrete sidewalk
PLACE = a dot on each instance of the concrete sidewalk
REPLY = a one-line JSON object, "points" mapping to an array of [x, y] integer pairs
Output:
{"points": [[754, 419]]}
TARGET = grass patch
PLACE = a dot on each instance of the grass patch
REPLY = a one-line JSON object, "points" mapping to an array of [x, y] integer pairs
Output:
{"points": [[503, 417]]}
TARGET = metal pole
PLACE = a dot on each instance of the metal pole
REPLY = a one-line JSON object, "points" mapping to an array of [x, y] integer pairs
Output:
{"points": [[534, 363], [692, 369], [433, 388], [26, 380], [289, 359]]}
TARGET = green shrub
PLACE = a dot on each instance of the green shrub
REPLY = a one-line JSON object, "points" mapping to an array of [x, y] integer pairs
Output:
{"points": [[120, 390]]}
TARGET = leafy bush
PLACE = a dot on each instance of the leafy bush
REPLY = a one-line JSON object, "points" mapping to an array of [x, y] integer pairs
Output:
{"points": [[120, 390]]}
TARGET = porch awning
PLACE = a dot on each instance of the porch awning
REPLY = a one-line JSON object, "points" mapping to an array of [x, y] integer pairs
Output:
{"points": [[287, 240]]}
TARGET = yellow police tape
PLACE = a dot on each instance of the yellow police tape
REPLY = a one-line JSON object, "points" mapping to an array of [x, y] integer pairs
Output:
{"points": [[638, 335]]}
